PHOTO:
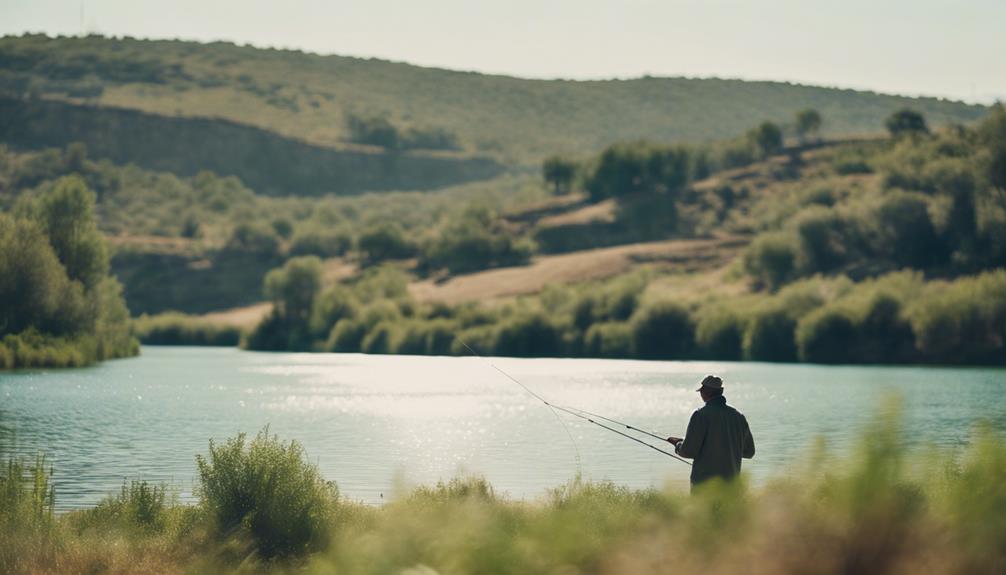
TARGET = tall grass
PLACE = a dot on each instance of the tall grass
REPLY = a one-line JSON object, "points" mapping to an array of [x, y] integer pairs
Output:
{"points": [[172, 328], [884, 509]]}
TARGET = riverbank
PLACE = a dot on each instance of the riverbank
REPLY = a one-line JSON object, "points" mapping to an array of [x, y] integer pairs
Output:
{"points": [[885, 509]]}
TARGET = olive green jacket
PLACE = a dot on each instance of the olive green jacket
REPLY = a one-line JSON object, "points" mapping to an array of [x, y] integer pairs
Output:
{"points": [[718, 437]]}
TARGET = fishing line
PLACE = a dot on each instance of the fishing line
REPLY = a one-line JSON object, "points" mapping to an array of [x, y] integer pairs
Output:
{"points": [[582, 414], [576, 448]]}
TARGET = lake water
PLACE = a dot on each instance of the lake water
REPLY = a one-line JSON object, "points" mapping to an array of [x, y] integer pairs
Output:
{"points": [[377, 423]]}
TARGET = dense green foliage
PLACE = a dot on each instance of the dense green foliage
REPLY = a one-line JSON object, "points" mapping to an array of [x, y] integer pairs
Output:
{"points": [[906, 122], [293, 290], [59, 308], [888, 507], [895, 318], [204, 243], [477, 239], [269, 489], [935, 208]]}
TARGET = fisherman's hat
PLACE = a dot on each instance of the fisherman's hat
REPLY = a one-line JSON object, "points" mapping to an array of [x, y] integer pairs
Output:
{"points": [[712, 382]]}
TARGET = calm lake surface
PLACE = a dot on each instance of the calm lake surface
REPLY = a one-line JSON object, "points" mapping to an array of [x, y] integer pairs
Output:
{"points": [[377, 423]]}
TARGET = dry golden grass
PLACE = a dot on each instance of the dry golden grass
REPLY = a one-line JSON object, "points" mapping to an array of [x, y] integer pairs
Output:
{"points": [[582, 266]]}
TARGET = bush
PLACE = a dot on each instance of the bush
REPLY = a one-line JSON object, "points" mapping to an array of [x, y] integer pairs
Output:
{"points": [[174, 328], [138, 506], [907, 235], [321, 243], [662, 331], [906, 122], [963, 322], [268, 490], [426, 337], [255, 239], [610, 339], [346, 336], [719, 334], [384, 242], [826, 335], [771, 260], [477, 240], [529, 335], [332, 306], [770, 337], [380, 339], [825, 240]]}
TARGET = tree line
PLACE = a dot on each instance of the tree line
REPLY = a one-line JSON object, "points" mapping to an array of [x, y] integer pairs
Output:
{"points": [[60, 307]]}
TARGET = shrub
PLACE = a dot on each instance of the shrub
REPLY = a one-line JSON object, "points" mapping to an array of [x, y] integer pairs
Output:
{"points": [[269, 490], [719, 334], [321, 243], [346, 336], [906, 122], [476, 240], [139, 505], [255, 239], [662, 331], [174, 328], [384, 242], [272, 333], [771, 260], [529, 335], [963, 322], [332, 306], [434, 337], [907, 235], [380, 339], [825, 240], [826, 335], [770, 336], [609, 339]]}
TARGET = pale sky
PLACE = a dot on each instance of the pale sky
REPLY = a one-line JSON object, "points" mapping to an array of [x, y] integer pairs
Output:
{"points": [[949, 48]]}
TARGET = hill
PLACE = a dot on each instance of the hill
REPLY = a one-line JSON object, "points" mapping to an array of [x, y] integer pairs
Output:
{"points": [[373, 105]]}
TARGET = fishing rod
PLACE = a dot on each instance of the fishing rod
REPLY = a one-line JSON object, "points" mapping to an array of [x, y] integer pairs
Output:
{"points": [[622, 433], [625, 425], [580, 414]]}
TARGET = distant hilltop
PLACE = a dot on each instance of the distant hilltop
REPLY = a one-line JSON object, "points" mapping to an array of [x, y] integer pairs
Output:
{"points": [[366, 106]]}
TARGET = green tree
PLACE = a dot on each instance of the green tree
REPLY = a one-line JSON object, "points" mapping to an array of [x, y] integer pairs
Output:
{"points": [[293, 288], [384, 242], [808, 124], [906, 233], [639, 167], [906, 122], [767, 137], [559, 173], [255, 239], [34, 288], [66, 212]]}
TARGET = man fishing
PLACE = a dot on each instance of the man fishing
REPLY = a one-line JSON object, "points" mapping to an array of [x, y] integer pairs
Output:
{"points": [[717, 438]]}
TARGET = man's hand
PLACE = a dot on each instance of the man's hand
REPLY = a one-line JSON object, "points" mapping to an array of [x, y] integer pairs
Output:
{"points": [[674, 440]]}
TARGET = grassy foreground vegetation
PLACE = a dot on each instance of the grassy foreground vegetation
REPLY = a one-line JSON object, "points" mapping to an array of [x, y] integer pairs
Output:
{"points": [[264, 508]]}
